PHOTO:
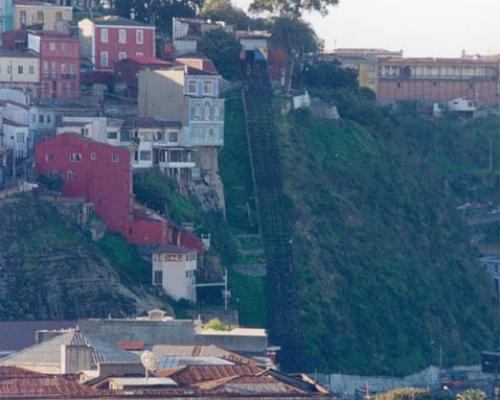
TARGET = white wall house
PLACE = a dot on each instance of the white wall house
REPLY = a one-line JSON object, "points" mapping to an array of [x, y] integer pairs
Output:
{"points": [[15, 121], [100, 129], [174, 269], [255, 41], [462, 105]]}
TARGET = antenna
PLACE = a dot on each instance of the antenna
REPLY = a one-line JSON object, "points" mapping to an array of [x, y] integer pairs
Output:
{"points": [[149, 361]]}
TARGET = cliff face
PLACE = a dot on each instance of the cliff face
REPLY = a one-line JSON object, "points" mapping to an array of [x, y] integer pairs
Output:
{"points": [[50, 269]]}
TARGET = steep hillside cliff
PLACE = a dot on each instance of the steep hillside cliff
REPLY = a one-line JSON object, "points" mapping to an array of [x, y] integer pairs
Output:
{"points": [[386, 272], [50, 269]]}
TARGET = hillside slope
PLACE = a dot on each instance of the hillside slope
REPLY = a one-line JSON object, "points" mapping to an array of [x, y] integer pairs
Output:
{"points": [[51, 270], [386, 272]]}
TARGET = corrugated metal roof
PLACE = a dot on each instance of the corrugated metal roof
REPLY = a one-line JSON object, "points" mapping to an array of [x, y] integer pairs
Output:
{"points": [[168, 362], [193, 374], [201, 351], [49, 352], [40, 385]]}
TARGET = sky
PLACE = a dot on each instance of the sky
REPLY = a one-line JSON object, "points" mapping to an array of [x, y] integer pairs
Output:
{"points": [[433, 28]]}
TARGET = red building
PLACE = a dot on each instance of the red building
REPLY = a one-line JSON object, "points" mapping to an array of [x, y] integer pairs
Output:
{"points": [[108, 39], [59, 63], [102, 174]]}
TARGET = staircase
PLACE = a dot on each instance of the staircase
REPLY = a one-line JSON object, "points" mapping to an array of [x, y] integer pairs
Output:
{"points": [[273, 214], [252, 255]]}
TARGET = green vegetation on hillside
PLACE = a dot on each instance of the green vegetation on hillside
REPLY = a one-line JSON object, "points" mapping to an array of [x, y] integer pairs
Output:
{"points": [[50, 269], [386, 269]]}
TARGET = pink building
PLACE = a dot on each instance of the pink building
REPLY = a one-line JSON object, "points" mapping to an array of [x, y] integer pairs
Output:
{"points": [[106, 40], [59, 64]]}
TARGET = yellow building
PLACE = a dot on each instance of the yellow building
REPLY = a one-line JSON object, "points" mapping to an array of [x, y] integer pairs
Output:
{"points": [[28, 13], [19, 69], [364, 61]]}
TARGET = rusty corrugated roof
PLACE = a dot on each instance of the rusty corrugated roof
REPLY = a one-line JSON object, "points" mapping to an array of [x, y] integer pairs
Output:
{"points": [[193, 374], [17, 383]]}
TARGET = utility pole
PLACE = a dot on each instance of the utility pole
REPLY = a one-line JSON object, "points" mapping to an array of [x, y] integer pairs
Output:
{"points": [[490, 168]]}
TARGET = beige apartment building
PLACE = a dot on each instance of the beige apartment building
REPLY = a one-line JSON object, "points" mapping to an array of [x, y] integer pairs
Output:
{"points": [[31, 12], [19, 70]]}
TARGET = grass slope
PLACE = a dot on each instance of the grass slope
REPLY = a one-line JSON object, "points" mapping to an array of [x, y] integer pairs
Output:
{"points": [[386, 274]]}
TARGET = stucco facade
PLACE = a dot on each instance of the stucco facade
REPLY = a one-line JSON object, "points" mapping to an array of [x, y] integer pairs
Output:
{"points": [[48, 16], [109, 39]]}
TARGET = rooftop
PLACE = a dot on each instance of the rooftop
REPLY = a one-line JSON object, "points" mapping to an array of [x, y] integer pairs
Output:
{"points": [[235, 332], [111, 20], [37, 3], [49, 351], [17, 53], [173, 249], [146, 60]]}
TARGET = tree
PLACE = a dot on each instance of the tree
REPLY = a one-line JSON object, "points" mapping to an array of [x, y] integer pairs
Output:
{"points": [[293, 8], [157, 12], [472, 394], [224, 50], [296, 38], [223, 10]]}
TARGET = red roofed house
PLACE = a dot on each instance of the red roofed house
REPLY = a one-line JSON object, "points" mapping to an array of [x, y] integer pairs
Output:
{"points": [[59, 63], [109, 39]]}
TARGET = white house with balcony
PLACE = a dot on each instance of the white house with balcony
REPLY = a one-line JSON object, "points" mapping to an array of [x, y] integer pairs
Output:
{"points": [[174, 269], [190, 95]]}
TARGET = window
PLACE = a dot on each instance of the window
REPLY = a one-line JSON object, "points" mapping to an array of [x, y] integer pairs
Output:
{"points": [[93, 156], [122, 55], [48, 118], [71, 176], [145, 155], [122, 36], [9, 69], [115, 158], [158, 278], [45, 67], [20, 69], [41, 119], [207, 87], [104, 35], [49, 157], [191, 87], [173, 136], [20, 137], [104, 59], [75, 157], [139, 54], [139, 36], [160, 136], [22, 18], [72, 68], [59, 16], [31, 69], [136, 156], [112, 135], [39, 17], [52, 46], [63, 68]]}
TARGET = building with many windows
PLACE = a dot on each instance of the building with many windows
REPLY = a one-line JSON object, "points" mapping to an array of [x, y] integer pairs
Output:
{"points": [[46, 16], [19, 69], [59, 63], [108, 39], [438, 80]]}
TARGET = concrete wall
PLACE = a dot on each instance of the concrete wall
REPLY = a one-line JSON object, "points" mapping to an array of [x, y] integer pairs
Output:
{"points": [[148, 332], [161, 94]]}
